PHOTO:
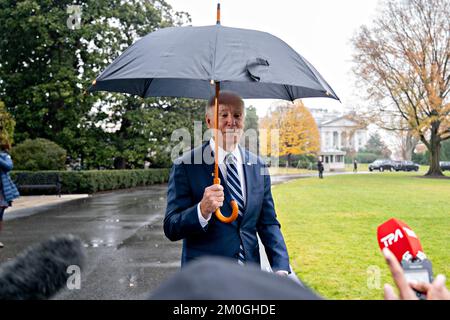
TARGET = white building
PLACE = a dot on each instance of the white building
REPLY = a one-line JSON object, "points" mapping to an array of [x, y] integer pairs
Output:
{"points": [[338, 133], [342, 133]]}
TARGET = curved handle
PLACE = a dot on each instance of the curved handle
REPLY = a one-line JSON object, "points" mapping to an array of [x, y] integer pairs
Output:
{"points": [[234, 211]]}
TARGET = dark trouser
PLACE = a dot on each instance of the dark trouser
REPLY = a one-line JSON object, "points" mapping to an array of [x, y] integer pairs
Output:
{"points": [[321, 174]]}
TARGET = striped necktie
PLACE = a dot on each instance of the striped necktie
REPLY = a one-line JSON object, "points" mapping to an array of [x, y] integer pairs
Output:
{"points": [[234, 186]]}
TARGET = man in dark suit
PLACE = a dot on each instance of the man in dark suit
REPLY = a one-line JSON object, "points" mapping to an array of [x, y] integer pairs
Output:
{"points": [[320, 167], [192, 198]]}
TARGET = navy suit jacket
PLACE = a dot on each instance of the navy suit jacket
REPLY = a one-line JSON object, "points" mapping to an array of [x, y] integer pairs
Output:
{"points": [[187, 184]]}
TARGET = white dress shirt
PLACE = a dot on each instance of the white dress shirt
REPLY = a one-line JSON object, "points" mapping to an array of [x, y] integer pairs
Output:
{"points": [[223, 169]]}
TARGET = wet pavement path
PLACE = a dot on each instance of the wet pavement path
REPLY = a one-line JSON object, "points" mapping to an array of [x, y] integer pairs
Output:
{"points": [[127, 252]]}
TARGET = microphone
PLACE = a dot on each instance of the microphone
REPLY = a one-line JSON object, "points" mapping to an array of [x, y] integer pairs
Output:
{"points": [[403, 242], [40, 271], [398, 237]]}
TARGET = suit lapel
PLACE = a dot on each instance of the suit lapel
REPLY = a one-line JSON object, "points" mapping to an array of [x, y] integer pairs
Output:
{"points": [[250, 178]]}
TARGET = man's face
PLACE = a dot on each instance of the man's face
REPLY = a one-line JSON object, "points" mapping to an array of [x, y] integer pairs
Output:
{"points": [[231, 124]]}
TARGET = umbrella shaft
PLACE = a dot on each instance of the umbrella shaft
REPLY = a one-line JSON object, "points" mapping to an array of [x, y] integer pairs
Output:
{"points": [[218, 13], [216, 134]]}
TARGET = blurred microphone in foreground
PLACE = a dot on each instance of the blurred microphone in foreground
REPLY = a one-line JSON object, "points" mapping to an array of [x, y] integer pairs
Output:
{"points": [[411, 270], [41, 270]]}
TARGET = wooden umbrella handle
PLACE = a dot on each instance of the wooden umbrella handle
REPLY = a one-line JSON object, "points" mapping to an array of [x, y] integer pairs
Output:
{"points": [[233, 203], [234, 211]]}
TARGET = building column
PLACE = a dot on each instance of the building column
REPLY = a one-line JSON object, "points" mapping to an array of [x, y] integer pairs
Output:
{"points": [[323, 136], [339, 140]]}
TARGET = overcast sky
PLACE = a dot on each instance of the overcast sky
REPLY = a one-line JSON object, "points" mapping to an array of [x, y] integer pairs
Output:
{"points": [[319, 30]]}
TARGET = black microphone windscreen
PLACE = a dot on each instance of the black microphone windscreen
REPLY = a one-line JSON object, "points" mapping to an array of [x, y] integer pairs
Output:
{"points": [[41, 270]]}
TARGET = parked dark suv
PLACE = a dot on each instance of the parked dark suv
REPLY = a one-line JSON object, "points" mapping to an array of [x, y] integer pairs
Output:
{"points": [[381, 165], [406, 166], [445, 165]]}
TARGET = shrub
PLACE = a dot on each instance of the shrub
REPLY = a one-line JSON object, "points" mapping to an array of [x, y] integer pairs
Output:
{"points": [[7, 125], [303, 161], [103, 180], [38, 154], [421, 158], [366, 157]]}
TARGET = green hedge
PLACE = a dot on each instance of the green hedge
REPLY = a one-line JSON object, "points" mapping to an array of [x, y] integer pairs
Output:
{"points": [[303, 161], [38, 155], [103, 180]]}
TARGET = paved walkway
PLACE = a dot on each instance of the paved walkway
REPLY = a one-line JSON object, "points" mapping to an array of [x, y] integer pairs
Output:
{"points": [[28, 205], [127, 254], [26, 202]]}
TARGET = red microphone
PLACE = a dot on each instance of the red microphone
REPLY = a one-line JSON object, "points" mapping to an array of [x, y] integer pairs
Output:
{"points": [[398, 237], [403, 242]]}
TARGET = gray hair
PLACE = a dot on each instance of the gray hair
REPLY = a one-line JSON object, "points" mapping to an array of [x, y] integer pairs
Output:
{"points": [[225, 98]]}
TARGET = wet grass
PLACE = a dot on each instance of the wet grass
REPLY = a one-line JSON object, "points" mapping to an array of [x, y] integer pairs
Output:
{"points": [[330, 227]]}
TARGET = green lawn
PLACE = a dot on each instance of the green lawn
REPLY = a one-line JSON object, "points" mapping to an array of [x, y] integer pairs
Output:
{"points": [[330, 227]]}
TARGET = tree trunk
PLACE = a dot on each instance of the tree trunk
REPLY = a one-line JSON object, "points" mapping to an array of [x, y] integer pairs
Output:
{"points": [[410, 145], [435, 152]]}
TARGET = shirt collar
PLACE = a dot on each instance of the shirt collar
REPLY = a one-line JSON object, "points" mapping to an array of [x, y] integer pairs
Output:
{"points": [[222, 153]]}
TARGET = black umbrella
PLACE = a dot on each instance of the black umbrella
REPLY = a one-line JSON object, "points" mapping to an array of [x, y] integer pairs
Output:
{"points": [[197, 62]]}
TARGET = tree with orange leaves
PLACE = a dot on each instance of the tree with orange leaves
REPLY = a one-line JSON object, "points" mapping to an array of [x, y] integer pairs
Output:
{"points": [[403, 60], [298, 132]]}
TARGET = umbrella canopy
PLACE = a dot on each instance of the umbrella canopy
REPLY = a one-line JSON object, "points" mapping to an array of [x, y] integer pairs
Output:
{"points": [[184, 61]]}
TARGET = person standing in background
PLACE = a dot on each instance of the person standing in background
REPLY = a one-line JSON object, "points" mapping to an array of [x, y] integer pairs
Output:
{"points": [[320, 167]]}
